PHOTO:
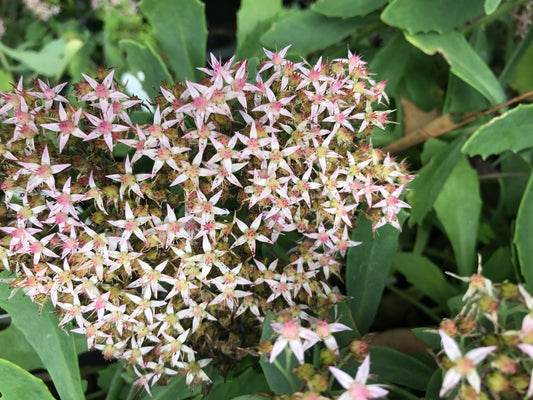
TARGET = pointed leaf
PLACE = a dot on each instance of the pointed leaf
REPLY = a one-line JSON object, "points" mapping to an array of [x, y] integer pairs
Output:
{"points": [[55, 347], [431, 178], [143, 59], [253, 19], [346, 8], [308, 31], [523, 235], [458, 208], [15, 348], [426, 276], [18, 384], [491, 6], [367, 269], [436, 15], [399, 368], [180, 28], [463, 60], [512, 131]]}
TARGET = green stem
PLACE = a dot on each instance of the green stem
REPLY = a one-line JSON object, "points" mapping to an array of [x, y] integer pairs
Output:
{"points": [[415, 302], [504, 9]]}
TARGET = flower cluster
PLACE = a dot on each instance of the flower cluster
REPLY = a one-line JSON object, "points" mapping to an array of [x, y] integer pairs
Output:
{"points": [[495, 325], [166, 237]]}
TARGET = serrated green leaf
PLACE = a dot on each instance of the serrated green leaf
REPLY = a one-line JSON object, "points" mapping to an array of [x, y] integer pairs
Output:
{"points": [[276, 379], [416, 16], [523, 235], [48, 61], [367, 269], [15, 348], [425, 189], [55, 347], [142, 58], [180, 28], [399, 368], [491, 5], [463, 60], [458, 207], [307, 31], [512, 131], [426, 276], [18, 384], [346, 8], [253, 19]]}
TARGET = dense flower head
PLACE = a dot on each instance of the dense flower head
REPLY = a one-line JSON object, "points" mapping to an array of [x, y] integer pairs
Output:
{"points": [[155, 239]]}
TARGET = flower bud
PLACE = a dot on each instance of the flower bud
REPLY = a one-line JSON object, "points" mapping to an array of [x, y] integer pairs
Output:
{"points": [[509, 290], [497, 382]]}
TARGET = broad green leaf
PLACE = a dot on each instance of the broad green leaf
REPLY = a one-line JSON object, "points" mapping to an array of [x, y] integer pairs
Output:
{"points": [[143, 59], [175, 390], [431, 338], [397, 49], [6, 79], [73, 46], [278, 381], [253, 19], [18, 384], [180, 28], [499, 267], [463, 60], [399, 368], [55, 347], [426, 276], [346, 8], [516, 173], [491, 5], [434, 385], [246, 384], [48, 61], [523, 235], [512, 131], [307, 31], [518, 69], [416, 16], [15, 348], [458, 207], [367, 269], [425, 189]]}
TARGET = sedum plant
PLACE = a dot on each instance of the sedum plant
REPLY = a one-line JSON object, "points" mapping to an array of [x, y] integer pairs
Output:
{"points": [[155, 239]]}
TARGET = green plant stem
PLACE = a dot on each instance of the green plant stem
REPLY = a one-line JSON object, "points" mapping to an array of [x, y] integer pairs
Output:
{"points": [[416, 303], [504, 9], [286, 373]]}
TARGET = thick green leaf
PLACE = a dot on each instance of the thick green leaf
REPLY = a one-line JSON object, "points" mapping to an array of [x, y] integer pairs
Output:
{"points": [[431, 338], [143, 59], [367, 269], [464, 61], [434, 385], [523, 235], [399, 368], [458, 211], [499, 266], [518, 69], [253, 19], [308, 31], [512, 131], [15, 348], [278, 381], [396, 49], [176, 390], [425, 16], [426, 276], [49, 61], [18, 384], [346, 8], [431, 178], [491, 5], [55, 347], [180, 28], [248, 383]]}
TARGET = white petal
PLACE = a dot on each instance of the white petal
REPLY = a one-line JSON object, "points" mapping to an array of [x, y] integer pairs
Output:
{"points": [[451, 379], [363, 371], [450, 347], [342, 377]]}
